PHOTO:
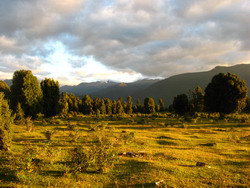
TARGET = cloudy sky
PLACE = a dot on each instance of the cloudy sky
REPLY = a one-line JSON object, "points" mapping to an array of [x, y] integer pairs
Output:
{"points": [[121, 40]]}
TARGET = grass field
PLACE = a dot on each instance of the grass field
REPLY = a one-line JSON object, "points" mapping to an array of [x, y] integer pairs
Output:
{"points": [[141, 150]]}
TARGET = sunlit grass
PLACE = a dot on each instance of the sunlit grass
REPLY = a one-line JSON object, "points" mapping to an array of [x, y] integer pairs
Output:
{"points": [[171, 148]]}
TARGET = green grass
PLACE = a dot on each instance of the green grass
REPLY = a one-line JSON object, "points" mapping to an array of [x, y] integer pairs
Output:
{"points": [[171, 148]]}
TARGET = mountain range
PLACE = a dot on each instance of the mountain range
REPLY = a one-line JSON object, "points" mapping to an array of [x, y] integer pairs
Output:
{"points": [[166, 89]]}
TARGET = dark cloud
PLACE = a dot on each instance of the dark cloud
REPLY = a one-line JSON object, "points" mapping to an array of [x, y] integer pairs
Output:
{"points": [[154, 38]]}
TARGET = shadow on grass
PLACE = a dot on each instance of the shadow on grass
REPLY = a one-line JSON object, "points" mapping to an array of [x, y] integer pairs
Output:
{"points": [[54, 173], [165, 142], [166, 137], [6, 174], [221, 125], [138, 127], [129, 169], [240, 164]]}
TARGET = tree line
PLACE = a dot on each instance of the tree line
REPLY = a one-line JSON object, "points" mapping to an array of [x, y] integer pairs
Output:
{"points": [[26, 98], [226, 93]]}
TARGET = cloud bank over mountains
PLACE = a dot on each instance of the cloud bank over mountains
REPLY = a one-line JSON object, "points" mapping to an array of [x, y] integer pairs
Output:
{"points": [[85, 40]]}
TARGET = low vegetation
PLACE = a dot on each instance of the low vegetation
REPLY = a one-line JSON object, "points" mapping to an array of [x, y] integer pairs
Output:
{"points": [[164, 150]]}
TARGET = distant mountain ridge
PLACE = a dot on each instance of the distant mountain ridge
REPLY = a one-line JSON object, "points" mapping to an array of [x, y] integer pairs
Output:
{"points": [[168, 88], [87, 88], [123, 89]]}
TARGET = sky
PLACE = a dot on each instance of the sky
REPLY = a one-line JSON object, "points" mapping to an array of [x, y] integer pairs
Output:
{"points": [[76, 41]]}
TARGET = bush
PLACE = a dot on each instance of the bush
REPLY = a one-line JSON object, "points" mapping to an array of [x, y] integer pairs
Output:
{"points": [[99, 157], [5, 123], [126, 137]]}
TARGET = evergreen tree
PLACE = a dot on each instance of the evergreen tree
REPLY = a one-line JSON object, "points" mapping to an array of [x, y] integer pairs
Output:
{"points": [[26, 91], [108, 104], [226, 93], [149, 105], [51, 97], [102, 107], [197, 100], [129, 107], [87, 105], [119, 107], [63, 104], [139, 106], [161, 105], [5, 123], [74, 103], [97, 105], [5, 89], [181, 104], [114, 107]]}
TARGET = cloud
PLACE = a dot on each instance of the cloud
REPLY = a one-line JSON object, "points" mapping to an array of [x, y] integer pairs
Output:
{"points": [[138, 38]]}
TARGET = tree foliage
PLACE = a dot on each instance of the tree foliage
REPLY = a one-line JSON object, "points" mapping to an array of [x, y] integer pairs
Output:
{"points": [[181, 104], [51, 97], [5, 123], [5, 89], [87, 105], [197, 100], [226, 93], [26, 91], [149, 105]]}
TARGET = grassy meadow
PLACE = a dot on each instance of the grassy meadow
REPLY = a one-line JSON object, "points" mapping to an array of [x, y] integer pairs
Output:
{"points": [[157, 150]]}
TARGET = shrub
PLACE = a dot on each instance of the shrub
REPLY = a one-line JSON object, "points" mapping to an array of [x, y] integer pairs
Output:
{"points": [[5, 123], [99, 157], [126, 137]]}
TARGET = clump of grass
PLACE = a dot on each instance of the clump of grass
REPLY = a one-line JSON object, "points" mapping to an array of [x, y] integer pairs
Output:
{"points": [[234, 137], [29, 124], [49, 134], [126, 137], [74, 136], [71, 126], [98, 126]]}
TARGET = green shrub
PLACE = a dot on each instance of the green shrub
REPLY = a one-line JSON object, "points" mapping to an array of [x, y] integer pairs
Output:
{"points": [[5, 124], [126, 137], [99, 156]]}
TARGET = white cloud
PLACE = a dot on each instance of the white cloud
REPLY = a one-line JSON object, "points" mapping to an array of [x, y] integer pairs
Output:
{"points": [[129, 38]]}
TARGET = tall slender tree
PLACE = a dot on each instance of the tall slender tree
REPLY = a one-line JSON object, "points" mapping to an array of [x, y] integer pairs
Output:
{"points": [[129, 107], [161, 105], [87, 105], [149, 105], [51, 97], [197, 100], [181, 104]]}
